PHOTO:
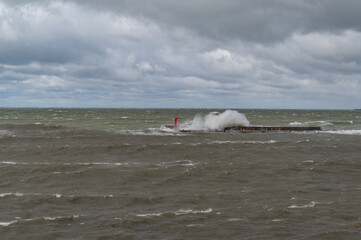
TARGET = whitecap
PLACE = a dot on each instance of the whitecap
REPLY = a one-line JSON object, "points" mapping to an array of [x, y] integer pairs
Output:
{"points": [[94, 164], [190, 211], [55, 218], [223, 142], [311, 204], [23, 163], [149, 215], [2, 195], [234, 219], [52, 218], [57, 195], [308, 161], [295, 124], [5, 224], [183, 163], [277, 220], [10, 163], [177, 213], [260, 142], [344, 132], [195, 225], [243, 142], [6, 133], [321, 122]]}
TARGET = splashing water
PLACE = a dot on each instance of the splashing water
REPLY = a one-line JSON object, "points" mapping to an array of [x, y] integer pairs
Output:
{"points": [[215, 121]]}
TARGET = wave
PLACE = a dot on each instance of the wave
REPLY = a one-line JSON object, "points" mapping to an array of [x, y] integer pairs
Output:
{"points": [[344, 132], [242, 142], [295, 124], [216, 121], [162, 131], [51, 219], [182, 163], [24, 163], [235, 219], [6, 133], [5, 224], [176, 213], [311, 204], [16, 194], [323, 123], [69, 164], [55, 195], [98, 164]]}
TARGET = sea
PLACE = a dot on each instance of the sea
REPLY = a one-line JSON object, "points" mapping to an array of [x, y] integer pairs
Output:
{"points": [[128, 174]]}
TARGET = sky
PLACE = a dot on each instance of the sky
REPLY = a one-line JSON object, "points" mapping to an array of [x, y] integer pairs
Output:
{"points": [[295, 54]]}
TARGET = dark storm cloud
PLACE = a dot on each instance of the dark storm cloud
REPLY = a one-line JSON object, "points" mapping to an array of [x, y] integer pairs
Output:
{"points": [[257, 53], [253, 20]]}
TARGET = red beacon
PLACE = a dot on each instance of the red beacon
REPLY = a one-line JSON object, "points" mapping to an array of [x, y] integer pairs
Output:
{"points": [[175, 121]]}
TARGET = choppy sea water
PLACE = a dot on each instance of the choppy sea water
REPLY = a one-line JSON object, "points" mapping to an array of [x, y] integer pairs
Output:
{"points": [[119, 174]]}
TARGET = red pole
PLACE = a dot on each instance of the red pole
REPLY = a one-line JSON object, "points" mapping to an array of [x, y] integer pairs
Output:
{"points": [[175, 121]]}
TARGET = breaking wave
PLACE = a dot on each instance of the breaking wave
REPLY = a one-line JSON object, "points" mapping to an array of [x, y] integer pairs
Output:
{"points": [[345, 132], [310, 205], [215, 121]]}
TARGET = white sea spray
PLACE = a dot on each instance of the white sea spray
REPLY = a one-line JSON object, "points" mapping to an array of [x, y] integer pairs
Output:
{"points": [[215, 120]]}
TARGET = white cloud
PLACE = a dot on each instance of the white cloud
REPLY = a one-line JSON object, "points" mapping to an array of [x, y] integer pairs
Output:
{"points": [[148, 68], [222, 61], [51, 82]]}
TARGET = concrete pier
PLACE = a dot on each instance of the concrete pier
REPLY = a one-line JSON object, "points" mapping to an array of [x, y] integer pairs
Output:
{"points": [[257, 128], [267, 129]]}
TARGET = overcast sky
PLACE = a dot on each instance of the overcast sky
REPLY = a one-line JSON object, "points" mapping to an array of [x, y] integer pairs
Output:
{"points": [[188, 53]]}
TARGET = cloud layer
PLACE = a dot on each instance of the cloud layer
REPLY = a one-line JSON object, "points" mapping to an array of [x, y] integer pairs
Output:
{"points": [[221, 54]]}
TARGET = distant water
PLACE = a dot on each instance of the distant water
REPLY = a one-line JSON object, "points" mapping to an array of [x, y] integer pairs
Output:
{"points": [[120, 174]]}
